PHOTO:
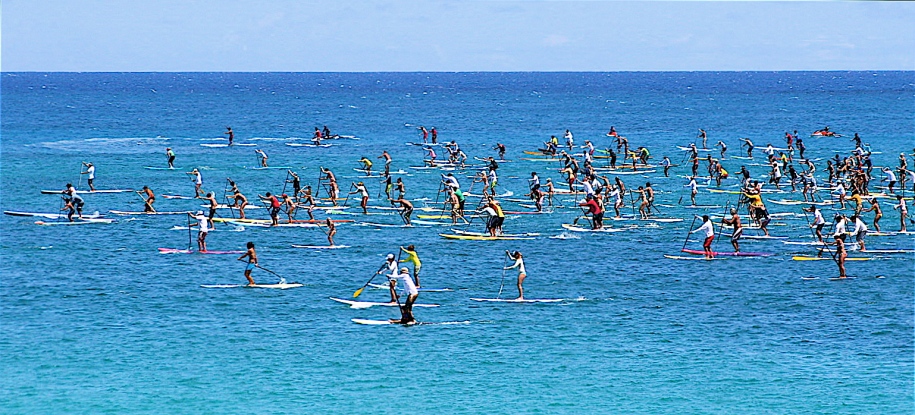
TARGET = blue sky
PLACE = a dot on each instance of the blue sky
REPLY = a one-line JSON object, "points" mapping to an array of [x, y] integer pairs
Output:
{"points": [[266, 35]]}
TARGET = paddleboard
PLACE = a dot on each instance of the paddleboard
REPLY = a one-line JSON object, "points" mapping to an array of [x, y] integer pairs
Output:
{"points": [[762, 237], [159, 168], [526, 300], [427, 290], [121, 212], [87, 192], [695, 258], [273, 286], [823, 258], [320, 246], [480, 238], [178, 197], [582, 229], [191, 251], [701, 252], [77, 222], [308, 145], [48, 215], [889, 251], [415, 323], [367, 304], [269, 168]]}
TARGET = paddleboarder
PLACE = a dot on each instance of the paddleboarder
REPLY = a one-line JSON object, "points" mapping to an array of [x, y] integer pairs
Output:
{"points": [[231, 134], [171, 157], [522, 272], [407, 209], [818, 221], [251, 255], [859, 231], [903, 212], [90, 170], [198, 182], [841, 254], [709, 230], [210, 197], [202, 229], [387, 162], [413, 257], [734, 220], [263, 157], [331, 230], [360, 189], [150, 199], [406, 310]]}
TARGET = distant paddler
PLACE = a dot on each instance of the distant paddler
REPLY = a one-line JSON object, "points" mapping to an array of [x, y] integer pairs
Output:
{"points": [[317, 136], [334, 189], [387, 162], [643, 202], [407, 208], [875, 207], [709, 231], [360, 189], [734, 221], [413, 258], [238, 200], [203, 227], [841, 254], [693, 189], [723, 146], [210, 197], [274, 205], [309, 201], [251, 256], [818, 221], [150, 199], [501, 149], [73, 203], [890, 178], [198, 182], [522, 272], [366, 165], [263, 157], [757, 209], [331, 230], [296, 184], [612, 132], [431, 154], [749, 144], [449, 181], [171, 157], [230, 133], [452, 200], [859, 231], [290, 206], [570, 142], [390, 265], [702, 135], [496, 221], [903, 212], [90, 171]]}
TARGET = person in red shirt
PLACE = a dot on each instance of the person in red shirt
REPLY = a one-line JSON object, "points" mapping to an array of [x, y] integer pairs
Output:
{"points": [[597, 215], [275, 205]]}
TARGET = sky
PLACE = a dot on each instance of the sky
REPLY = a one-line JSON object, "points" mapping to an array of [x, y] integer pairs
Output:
{"points": [[410, 35]]}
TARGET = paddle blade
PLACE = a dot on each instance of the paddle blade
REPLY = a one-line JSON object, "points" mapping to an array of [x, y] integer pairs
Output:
{"points": [[358, 292]]}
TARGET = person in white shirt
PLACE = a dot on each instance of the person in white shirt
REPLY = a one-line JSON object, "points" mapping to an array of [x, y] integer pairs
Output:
{"points": [[890, 177], [203, 227], [198, 182], [569, 141], [534, 181], [406, 310], [859, 232], [693, 189], [522, 273], [709, 230], [90, 170]]}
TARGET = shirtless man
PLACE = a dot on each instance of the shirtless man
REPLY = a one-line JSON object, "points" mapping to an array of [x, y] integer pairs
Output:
{"points": [[210, 197], [387, 162], [734, 220], [309, 200], [150, 199], [251, 255], [263, 157], [231, 135], [407, 209]]}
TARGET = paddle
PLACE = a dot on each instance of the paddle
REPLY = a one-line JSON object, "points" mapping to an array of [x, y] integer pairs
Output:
{"points": [[502, 283], [820, 252], [145, 203], [688, 233], [359, 291], [721, 225], [349, 192], [282, 280], [189, 231]]}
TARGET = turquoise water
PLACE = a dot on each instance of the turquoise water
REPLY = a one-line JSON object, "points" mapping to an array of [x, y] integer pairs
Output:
{"points": [[94, 320]]}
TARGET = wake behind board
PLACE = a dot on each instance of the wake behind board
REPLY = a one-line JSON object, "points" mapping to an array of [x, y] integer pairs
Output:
{"points": [[515, 300], [48, 215], [367, 304], [269, 286], [78, 222]]}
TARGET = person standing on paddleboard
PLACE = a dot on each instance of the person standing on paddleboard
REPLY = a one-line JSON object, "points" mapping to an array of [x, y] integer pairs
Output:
{"points": [[522, 272], [263, 157], [331, 231], [150, 199], [202, 229], [841, 254], [211, 197], [198, 182], [171, 157], [387, 162], [738, 228], [406, 310], [413, 257], [251, 255], [709, 230], [231, 135], [390, 265], [903, 212], [90, 170], [818, 221], [274, 207]]}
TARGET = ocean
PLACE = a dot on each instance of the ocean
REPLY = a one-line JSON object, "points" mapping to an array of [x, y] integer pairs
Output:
{"points": [[95, 320]]}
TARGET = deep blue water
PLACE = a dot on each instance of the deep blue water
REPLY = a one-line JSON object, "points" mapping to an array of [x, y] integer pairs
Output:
{"points": [[94, 320]]}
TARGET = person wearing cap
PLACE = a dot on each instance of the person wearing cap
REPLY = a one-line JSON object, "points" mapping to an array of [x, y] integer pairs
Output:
{"points": [[406, 310], [90, 170], [818, 221], [738, 228], [390, 265], [903, 212], [709, 230], [198, 182], [251, 255], [522, 272], [171, 157], [202, 229]]}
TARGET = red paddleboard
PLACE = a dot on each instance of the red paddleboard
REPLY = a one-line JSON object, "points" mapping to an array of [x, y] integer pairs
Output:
{"points": [[191, 251], [701, 252]]}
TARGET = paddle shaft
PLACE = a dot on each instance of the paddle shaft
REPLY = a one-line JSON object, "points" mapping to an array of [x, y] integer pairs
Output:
{"points": [[688, 233]]}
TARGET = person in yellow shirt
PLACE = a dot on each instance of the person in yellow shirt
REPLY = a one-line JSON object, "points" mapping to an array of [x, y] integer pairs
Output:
{"points": [[413, 257]]}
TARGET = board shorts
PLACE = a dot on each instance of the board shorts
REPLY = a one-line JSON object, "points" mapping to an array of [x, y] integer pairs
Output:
{"points": [[860, 236], [497, 221], [708, 242], [820, 227], [737, 234], [250, 266]]}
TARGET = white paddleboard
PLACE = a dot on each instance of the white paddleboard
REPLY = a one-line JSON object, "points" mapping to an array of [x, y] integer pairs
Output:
{"points": [[526, 300], [321, 246], [367, 304], [273, 286], [416, 323]]}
